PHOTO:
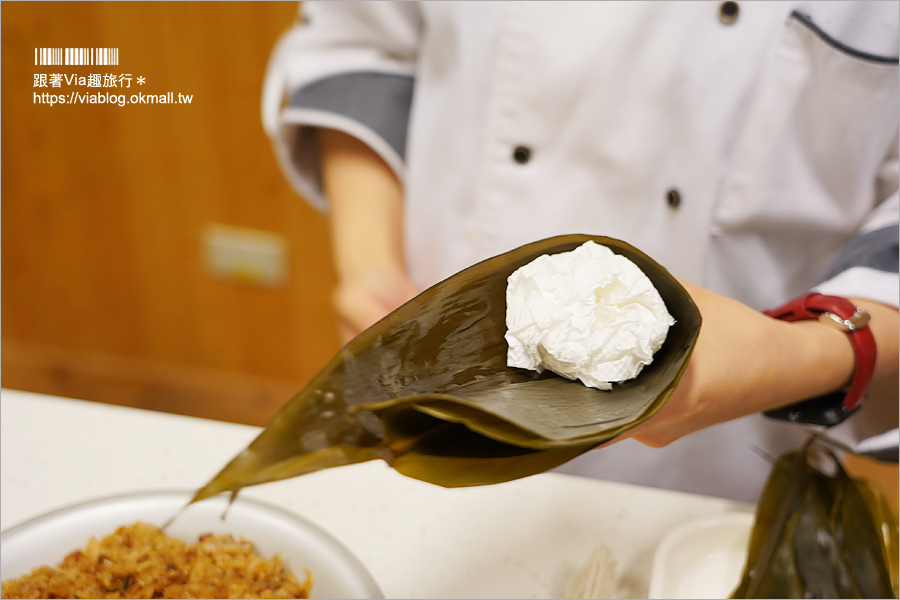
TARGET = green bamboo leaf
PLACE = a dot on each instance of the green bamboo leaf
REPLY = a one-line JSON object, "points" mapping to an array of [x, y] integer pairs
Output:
{"points": [[859, 533], [427, 389], [819, 533]]}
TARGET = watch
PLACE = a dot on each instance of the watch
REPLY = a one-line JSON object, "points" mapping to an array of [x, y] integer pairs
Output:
{"points": [[843, 315]]}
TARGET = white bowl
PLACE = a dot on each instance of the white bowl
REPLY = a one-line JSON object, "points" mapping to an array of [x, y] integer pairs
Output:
{"points": [[703, 558], [47, 539]]}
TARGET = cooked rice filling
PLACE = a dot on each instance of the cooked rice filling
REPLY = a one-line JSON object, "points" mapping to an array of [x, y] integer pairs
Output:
{"points": [[141, 561]]}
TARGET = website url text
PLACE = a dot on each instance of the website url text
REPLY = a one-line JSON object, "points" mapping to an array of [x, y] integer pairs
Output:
{"points": [[110, 98]]}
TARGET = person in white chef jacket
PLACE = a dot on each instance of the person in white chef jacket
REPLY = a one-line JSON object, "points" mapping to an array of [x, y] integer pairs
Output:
{"points": [[751, 148]]}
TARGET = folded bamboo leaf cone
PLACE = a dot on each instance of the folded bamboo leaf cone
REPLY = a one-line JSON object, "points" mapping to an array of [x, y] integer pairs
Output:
{"points": [[428, 390]]}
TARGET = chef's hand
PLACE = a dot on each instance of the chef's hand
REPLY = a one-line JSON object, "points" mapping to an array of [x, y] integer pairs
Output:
{"points": [[363, 299], [366, 209], [745, 362]]}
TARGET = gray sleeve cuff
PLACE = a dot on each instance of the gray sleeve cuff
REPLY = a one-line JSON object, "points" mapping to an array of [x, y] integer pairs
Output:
{"points": [[372, 107], [867, 268], [879, 250], [378, 101]]}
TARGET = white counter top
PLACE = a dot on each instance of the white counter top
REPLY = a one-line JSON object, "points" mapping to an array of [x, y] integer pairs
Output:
{"points": [[522, 539]]}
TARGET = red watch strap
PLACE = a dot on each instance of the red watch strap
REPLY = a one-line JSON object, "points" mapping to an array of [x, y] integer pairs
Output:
{"points": [[842, 313]]}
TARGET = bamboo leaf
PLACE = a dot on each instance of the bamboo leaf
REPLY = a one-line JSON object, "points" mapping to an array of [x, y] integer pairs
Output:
{"points": [[427, 389]]}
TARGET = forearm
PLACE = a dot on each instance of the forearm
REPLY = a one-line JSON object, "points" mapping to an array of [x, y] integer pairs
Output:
{"points": [[365, 202], [366, 208], [745, 362], [829, 362]]}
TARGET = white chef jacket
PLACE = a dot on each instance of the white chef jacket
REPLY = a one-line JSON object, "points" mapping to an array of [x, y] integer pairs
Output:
{"points": [[756, 156]]}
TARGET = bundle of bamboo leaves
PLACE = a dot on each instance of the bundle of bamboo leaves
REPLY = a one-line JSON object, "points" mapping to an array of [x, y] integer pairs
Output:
{"points": [[820, 533]]}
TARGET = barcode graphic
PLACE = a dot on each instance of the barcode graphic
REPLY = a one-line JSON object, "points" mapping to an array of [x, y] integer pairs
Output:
{"points": [[76, 56]]}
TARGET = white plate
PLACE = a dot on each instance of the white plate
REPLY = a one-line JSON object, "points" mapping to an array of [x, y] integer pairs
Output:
{"points": [[703, 558], [46, 540]]}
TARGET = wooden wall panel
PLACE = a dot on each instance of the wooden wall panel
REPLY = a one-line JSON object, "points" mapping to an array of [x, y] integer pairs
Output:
{"points": [[103, 209]]}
